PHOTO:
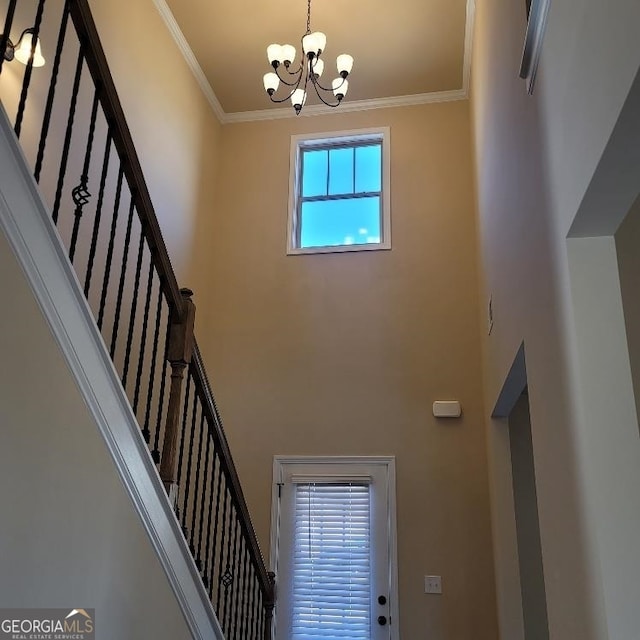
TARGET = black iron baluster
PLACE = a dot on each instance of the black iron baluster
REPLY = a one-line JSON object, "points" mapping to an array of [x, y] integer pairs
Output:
{"points": [[244, 612], [252, 621], [253, 580], [143, 339], [187, 484], [205, 476], [255, 598], [44, 132], [112, 237], [237, 614], [194, 510], [182, 438], [123, 275], [242, 568], [8, 22], [260, 611], [67, 136], [216, 568], [155, 454], [154, 360], [80, 194], [248, 631], [222, 549], [208, 559], [235, 590], [230, 575], [29, 69], [134, 308], [98, 216]]}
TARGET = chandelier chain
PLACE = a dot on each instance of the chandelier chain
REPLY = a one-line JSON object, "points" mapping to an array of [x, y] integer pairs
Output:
{"points": [[308, 17]]}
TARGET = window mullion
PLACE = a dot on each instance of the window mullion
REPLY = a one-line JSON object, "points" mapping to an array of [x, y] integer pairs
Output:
{"points": [[353, 172], [343, 196], [328, 170]]}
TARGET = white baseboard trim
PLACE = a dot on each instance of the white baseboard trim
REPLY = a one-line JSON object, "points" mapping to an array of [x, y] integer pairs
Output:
{"points": [[26, 222]]}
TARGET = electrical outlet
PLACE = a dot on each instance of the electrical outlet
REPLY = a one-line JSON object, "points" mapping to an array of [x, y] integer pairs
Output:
{"points": [[433, 584]]}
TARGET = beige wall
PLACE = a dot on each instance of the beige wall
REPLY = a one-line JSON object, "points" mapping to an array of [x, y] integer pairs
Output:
{"points": [[344, 353], [177, 136], [535, 159]]}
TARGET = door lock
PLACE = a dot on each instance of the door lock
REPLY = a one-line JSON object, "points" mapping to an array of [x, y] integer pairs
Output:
{"points": [[382, 620]]}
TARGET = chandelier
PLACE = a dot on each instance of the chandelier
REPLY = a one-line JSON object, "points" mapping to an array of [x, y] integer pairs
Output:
{"points": [[309, 70]]}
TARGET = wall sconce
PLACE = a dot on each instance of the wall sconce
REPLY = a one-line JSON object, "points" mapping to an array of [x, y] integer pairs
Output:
{"points": [[21, 51]]}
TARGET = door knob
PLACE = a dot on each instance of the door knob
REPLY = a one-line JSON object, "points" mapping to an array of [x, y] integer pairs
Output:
{"points": [[382, 620]]}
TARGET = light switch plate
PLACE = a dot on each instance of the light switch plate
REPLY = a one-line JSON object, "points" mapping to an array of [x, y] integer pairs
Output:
{"points": [[433, 584]]}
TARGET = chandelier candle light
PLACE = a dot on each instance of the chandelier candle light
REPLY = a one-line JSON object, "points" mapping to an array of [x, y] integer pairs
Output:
{"points": [[310, 68]]}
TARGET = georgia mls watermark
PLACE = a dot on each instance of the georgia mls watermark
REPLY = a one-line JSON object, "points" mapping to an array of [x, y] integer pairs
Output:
{"points": [[47, 624]]}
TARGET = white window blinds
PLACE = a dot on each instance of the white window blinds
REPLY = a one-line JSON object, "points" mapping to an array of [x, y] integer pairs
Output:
{"points": [[331, 562]]}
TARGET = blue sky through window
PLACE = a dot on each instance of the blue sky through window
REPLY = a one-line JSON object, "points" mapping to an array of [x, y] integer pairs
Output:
{"points": [[330, 223], [328, 216]]}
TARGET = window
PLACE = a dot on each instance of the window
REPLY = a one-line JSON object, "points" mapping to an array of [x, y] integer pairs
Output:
{"points": [[332, 549], [339, 193]]}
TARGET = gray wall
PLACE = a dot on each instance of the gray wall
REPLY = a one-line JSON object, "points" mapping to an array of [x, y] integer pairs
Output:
{"points": [[628, 249], [538, 159], [534, 601]]}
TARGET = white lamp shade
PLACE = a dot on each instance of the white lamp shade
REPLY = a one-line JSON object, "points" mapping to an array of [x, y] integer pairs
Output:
{"points": [[271, 81], [309, 43], [340, 87], [321, 41], [298, 97], [274, 53], [23, 51], [344, 62], [288, 53], [318, 66]]}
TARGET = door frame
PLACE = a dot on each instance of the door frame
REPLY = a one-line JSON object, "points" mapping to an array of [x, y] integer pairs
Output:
{"points": [[281, 461]]}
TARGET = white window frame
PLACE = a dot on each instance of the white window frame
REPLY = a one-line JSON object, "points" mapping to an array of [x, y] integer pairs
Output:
{"points": [[352, 465], [299, 142]]}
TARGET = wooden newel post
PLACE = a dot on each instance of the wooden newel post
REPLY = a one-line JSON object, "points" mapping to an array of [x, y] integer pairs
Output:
{"points": [[179, 356], [268, 606]]}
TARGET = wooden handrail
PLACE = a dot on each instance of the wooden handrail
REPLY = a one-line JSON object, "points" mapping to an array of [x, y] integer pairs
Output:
{"points": [[220, 440], [108, 97]]}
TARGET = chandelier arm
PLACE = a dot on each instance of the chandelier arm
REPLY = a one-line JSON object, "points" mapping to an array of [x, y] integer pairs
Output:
{"points": [[295, 87], [296, 72], [330, 89], [329, 104], [280, 101], [295, 82]]}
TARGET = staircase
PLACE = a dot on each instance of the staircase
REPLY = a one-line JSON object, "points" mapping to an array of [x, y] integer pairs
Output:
{"points": [[85, 176]]}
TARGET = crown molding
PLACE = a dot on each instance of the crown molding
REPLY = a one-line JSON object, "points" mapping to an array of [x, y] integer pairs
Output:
{"points": [[353, 105], [317, 110], [190, 58]]}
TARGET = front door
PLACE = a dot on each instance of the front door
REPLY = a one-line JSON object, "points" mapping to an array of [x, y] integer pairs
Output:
{"points": [[332, 556]]}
